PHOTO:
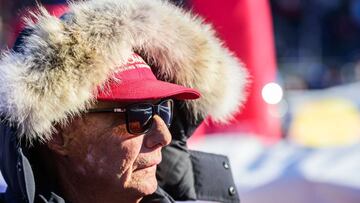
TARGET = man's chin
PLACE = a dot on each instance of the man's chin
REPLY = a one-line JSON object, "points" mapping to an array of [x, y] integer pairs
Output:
{"points": [[149, 184], [146, 182], [150, 188]]}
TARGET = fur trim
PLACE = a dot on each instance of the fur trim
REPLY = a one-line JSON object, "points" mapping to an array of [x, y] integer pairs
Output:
{"points": [[60, 63]]}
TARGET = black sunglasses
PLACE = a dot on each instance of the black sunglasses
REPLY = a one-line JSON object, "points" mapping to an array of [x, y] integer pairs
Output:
{"points": [[139, 116]]}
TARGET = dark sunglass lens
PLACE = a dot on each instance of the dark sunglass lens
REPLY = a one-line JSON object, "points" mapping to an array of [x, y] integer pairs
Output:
{"points": [[165, 111], [139, 118]]}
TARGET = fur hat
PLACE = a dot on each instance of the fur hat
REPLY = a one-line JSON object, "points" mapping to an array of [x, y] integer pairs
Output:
{"points": [[60, 63]]}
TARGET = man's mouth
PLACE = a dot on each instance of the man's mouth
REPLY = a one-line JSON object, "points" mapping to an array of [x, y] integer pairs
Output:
{"points": [[150, 164]]}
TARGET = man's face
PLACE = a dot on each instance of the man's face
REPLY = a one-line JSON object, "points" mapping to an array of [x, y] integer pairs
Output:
{"points": [[102, 152]]}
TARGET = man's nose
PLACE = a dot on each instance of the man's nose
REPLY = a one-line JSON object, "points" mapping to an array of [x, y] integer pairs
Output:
{"points": [[159, 134]]}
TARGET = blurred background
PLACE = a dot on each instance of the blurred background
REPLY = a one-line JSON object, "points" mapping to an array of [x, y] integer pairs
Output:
{"points": [[297, 137]]}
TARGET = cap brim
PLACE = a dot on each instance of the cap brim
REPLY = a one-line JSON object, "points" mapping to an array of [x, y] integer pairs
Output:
{"points": [[147, 90]]}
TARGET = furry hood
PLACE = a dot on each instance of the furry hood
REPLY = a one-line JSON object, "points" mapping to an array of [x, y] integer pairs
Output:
{"points": [[62, 61]]}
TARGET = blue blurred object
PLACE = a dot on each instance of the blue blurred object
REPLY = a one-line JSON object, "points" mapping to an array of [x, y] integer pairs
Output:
{"points": [[287, 172], [355, 11], [53, 1], [2, 184]]}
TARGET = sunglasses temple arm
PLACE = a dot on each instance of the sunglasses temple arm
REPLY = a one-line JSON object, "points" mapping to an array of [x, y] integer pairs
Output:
{"points": [[110, 110]]}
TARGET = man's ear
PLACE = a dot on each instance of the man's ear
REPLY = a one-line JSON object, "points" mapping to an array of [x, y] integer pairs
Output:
{"points": [[58, 142]]}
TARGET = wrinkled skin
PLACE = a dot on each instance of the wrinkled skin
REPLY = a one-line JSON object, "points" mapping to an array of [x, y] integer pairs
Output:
{"points": [[97, 160]]}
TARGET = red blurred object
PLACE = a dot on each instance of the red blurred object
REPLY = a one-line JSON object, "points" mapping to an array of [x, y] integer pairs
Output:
{"points": [[246, 28]]}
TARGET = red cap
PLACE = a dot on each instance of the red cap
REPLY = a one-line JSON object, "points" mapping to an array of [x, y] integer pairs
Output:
{"points": [[137, 82]]}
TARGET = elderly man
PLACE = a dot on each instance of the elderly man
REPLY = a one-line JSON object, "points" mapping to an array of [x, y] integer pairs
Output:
{"points": [[84, 117]]}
